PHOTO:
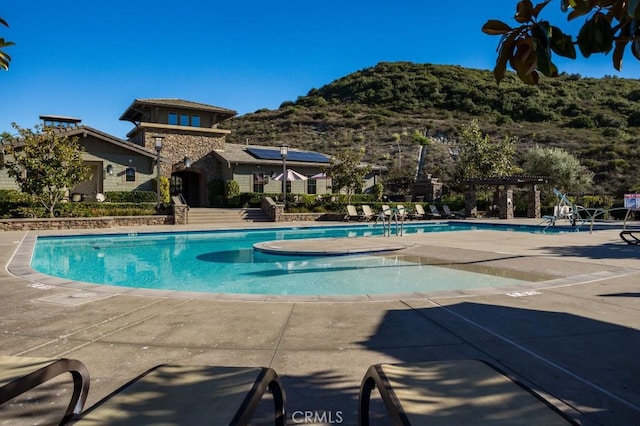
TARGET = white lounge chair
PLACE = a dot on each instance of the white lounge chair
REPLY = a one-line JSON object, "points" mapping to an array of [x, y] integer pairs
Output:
{"points": [[367, 214], [401, 211], [418, 212], [352, 213]]}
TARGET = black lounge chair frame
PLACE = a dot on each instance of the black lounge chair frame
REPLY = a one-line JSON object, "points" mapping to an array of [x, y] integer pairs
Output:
{"points": [[376, 376], [191, 395], [630, 237], [21, 374]]}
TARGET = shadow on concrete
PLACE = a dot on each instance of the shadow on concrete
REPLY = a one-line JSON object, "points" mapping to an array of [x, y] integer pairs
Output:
{"points": [[620, 295], [592, 366], [600, 251]]}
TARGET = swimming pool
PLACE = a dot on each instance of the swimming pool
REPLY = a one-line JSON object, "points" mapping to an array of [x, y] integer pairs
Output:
{"points": [[225, 262]]}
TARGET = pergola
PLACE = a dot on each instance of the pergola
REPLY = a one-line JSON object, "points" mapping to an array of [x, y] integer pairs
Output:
{"points": [[503, 186]]}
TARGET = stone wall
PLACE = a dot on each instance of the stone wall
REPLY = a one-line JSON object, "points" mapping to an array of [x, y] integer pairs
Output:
{"points": [[82, 222], [276, 213]]}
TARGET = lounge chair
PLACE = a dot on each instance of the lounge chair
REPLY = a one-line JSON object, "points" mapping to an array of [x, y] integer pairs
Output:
{"points": [[352, 213], [21, 374], [451, 214], [418, 212], [386, 210], [454, 392], [179, 394], [434, 213], [401, 212], [630, 237], [367, 214]]}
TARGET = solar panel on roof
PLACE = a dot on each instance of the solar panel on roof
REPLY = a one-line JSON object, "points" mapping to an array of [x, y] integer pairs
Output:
{"points": [[274, 154]]}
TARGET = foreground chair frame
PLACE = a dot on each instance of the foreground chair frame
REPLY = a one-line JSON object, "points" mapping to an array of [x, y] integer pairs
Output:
{"points": [[453, 392], [21, 374], [630, 237], [188, 394]]}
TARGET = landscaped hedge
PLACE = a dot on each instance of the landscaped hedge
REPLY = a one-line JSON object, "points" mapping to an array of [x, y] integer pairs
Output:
{"points": [[131, 196]]}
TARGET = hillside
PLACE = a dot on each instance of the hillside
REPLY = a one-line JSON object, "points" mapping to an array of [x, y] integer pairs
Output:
{"points": [[380, 108]]}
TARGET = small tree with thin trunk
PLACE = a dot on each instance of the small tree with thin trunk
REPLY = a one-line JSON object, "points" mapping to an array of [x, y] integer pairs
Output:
{"points": [[347, 171], [46, 164]]}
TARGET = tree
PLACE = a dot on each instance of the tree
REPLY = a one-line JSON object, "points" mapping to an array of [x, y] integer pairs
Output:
{"points": [[45, 164], [347, 171], [564, 170], [480, 157], [4, 58], [528, 48], [400, 179]]}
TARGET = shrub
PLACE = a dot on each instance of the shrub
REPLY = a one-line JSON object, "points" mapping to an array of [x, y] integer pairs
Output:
{"points": [[232, 192], [14, 196], [131, 196]]}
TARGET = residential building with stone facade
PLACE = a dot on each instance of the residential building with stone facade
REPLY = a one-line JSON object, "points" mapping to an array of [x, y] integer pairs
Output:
{"points": [[193, 154]]}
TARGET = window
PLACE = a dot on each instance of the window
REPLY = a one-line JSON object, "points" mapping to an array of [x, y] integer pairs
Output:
{"points": [[259, 180], [176, 185], [311, 186], [182, 119], [130, 174]]}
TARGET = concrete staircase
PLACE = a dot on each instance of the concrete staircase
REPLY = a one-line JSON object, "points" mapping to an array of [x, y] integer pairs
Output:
{"points": [[201, 216]]}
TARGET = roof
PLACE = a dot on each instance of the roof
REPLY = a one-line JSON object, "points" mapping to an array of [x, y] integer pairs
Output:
{"points": [[133, 112], [86, 130], [60, 118], [240, 154]]}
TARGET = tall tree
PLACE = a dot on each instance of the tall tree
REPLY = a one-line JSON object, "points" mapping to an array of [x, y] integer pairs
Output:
{"points": [[529, 47], [4, 57], [45, 164], [482, 157], [347, 171], [564, 170]]}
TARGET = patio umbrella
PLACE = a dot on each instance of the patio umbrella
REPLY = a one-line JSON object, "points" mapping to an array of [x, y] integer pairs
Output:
{"points": [[291, 176], [321, 175]]}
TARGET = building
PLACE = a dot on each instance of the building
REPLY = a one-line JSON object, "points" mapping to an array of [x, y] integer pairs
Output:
{"points": [[192, 152]]}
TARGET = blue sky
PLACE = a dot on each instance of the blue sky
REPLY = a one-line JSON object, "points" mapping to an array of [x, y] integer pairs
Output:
{"points": [[91, 59]]}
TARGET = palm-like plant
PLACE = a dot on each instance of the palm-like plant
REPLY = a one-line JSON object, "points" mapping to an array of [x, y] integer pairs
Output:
{"points": [[4, 58]]}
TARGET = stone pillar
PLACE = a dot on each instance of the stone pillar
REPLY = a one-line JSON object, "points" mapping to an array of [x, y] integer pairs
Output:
{"points": [[505, 204], [533, 208], [180, 214], [471, 203]]}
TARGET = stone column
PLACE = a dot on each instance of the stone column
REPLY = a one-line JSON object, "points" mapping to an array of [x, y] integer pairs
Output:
{"points": [[180, 214], [505, 204], [533, 209], [471, 203]]}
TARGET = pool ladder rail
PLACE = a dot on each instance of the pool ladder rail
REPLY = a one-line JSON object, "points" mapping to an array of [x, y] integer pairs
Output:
{"points": [[392, 215]]}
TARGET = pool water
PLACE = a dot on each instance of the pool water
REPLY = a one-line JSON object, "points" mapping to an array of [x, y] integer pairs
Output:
{"points": [[225, 262]]}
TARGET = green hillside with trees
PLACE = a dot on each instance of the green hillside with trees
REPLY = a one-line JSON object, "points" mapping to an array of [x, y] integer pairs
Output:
{"points": [[388, 110]]}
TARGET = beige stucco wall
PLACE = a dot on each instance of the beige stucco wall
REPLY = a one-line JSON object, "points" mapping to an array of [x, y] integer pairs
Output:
{"points": [[243, 174], [120, 158]]}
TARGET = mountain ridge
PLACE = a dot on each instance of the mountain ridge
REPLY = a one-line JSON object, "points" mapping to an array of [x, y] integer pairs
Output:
{"points": [[381, 107]]}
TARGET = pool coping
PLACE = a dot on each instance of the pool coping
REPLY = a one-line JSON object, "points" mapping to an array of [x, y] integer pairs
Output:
{"points": [[85, 292]]}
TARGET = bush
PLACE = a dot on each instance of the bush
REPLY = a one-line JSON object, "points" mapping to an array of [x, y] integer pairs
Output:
{"points": [[131, 196], [14, 196], [232, 192]]}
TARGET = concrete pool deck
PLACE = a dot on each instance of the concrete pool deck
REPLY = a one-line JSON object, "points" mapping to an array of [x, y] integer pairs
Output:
{"points": [[573, 335]]}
